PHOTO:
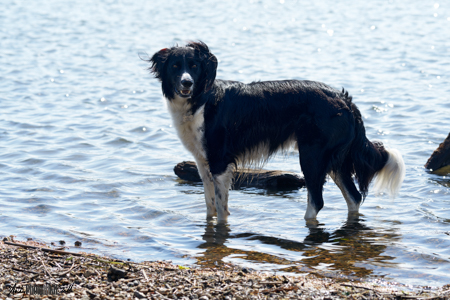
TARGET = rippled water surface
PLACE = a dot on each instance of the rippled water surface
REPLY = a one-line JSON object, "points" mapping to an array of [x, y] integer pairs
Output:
{"points": [[87, 149]]}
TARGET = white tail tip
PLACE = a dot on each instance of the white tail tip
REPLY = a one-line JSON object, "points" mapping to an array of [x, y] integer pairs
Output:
{"points": [[390, 178]]}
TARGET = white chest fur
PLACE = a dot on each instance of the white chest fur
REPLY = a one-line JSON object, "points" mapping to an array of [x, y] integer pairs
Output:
{"points": [[190, 127]]}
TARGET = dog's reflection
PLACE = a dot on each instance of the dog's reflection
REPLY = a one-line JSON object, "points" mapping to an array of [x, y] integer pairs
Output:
{"points": [[346, 249], [215, 234]]}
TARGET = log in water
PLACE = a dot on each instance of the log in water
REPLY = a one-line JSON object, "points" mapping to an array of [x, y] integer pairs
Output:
{"points": [[187, 170]]}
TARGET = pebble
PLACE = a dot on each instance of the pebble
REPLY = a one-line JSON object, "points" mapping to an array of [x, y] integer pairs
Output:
{"points": [[139, 295]]}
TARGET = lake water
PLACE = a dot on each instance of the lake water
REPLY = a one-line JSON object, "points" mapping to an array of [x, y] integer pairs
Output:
{"points": [[87, 148]]}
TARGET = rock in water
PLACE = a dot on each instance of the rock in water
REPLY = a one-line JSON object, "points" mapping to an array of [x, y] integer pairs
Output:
{"points": [[439, 161]]}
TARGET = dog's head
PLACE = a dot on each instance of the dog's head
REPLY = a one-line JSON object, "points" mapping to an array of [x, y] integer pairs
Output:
{"points": [[184, 71]]}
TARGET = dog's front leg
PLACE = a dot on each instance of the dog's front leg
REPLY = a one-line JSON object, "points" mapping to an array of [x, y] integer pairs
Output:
{"points": [[222, 185], [208, 185]]}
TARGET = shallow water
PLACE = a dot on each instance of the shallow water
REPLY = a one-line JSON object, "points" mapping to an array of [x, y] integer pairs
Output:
{"points": [[87, 149]]}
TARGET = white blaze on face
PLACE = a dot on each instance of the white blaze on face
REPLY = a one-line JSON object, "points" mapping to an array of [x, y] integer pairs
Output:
{"points": [[185, 90], [186, 76]]}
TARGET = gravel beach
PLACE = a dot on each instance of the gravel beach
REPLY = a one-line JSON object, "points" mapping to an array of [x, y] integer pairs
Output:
{"points": [[32, 270]]}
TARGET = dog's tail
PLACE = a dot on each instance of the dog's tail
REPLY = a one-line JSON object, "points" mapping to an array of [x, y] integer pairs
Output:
{"points": [[372, 160], [390, 177]]}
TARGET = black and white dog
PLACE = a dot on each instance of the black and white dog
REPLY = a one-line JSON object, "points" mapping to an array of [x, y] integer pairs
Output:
{"points": [[225, 124]]}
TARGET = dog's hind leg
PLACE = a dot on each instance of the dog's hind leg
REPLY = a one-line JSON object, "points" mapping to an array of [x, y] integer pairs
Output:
{"points": [[208, 185], [222, 184], [345, 183], [314, 167]]}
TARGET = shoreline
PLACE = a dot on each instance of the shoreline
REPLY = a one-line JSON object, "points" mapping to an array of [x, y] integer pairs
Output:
{"points": [[33, 270]]}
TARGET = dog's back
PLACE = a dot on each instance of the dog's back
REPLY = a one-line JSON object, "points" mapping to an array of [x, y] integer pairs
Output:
{"points": [[250, 122]]}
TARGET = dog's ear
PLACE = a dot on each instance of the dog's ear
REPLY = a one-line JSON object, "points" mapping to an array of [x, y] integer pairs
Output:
{"points": [[158, 60], [209, 61]]}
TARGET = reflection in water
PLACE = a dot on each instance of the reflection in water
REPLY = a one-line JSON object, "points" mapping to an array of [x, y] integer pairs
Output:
{"points": [[350, 250], [444, 181]]}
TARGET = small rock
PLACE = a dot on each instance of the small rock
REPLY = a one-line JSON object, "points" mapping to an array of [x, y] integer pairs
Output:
{"points": [[115, 274], [91, 286], [139, 295], [88, 273], [91, 294]]}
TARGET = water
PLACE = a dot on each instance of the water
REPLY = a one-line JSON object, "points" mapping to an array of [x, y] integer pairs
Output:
{"points": [[87, 149]]}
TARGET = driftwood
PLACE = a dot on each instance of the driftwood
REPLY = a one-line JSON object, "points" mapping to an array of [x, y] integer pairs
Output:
{"points": [[439, 161], [43, 249], [187, 170]]}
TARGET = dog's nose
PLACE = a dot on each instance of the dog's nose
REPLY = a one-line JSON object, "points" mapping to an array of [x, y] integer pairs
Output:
{"points": [[187, 83]]}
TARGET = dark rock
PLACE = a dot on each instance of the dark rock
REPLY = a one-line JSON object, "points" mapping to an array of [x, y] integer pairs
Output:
{"points": [[115, 274], [439, 161], [91, 294], [139, 295], [187, 170]]}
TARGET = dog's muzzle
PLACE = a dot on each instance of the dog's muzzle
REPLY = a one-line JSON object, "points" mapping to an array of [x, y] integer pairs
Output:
{"points": [[186, 85]]}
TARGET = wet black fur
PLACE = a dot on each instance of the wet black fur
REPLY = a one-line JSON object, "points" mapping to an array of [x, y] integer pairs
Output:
{"points": [[325, 123]]}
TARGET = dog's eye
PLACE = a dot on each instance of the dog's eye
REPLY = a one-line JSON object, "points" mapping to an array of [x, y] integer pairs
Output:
{"points": [[194, 66], [175, 66]]}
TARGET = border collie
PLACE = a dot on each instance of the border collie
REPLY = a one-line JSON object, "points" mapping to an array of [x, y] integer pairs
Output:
{"points": [[226, 124]]}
